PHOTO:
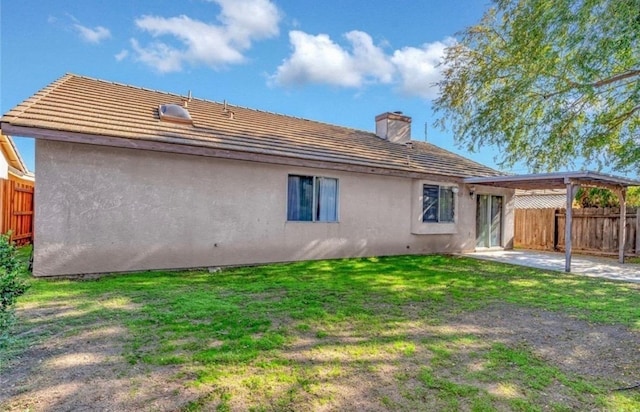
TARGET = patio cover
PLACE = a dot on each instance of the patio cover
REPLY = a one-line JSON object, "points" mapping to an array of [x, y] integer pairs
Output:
{"points": [[572, 181]]}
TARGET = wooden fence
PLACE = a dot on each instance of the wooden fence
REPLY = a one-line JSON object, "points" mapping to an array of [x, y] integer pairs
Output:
{"points": [[17, 211], [594, 231]]}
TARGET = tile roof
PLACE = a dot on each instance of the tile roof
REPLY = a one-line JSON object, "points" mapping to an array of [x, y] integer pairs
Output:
{"points": [[76, 104]]}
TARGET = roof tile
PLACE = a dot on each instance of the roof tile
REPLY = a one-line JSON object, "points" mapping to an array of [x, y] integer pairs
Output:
{"points": [[96, 107]]}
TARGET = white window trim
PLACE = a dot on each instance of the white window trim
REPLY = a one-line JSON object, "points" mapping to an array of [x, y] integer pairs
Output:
{"points": [[418, 227], [438, 220]]}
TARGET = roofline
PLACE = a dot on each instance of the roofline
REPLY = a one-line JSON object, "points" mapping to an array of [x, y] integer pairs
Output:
{"points": [[566, 177], [69, 75], [24, 176], [13, 156], [180, 147]]}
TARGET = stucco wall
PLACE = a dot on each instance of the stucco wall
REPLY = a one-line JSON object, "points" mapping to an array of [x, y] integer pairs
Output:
{"points": [[4, 167], [101, 209]]}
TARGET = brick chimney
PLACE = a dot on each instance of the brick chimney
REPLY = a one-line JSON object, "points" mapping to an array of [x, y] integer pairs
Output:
{"points": [[394, 127]]}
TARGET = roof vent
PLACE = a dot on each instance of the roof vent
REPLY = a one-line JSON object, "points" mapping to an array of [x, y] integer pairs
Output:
{"points": [[174, 113]]}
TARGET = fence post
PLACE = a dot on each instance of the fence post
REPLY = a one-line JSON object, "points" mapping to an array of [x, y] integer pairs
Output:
{"points": [[556, 214], [622, 231]]}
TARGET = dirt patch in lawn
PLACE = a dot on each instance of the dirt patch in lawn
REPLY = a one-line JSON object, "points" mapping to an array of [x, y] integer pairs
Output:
{"points": [[575, 346], [83, 367]]}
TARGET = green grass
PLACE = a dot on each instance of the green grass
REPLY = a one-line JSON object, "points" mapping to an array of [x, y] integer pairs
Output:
{"points": [[235, 335]]}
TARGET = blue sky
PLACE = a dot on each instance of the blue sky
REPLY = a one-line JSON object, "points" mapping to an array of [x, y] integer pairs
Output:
{"points": [[340, 62]]}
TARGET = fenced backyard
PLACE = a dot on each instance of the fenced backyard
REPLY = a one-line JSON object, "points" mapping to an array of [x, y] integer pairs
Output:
{"points": [[595, 231]]}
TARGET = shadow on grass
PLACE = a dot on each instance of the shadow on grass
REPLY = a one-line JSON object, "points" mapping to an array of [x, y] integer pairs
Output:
{"points": [[151, 340]]}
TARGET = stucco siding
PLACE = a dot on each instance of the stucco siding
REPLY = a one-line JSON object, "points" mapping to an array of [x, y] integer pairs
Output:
{"points": [[4, 167], [102, 209]]}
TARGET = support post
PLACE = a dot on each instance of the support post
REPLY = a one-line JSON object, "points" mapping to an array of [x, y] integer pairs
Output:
{"points": [[568, 225], [638, 231], [622, 232]]}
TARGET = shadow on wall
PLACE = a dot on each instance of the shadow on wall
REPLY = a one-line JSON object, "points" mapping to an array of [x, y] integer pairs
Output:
{"points": [[64, 259], [331, 248]]}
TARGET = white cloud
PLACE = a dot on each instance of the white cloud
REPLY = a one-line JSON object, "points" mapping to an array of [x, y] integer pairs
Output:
{"points": [[369, 59], [418, 68], [245, 20], [214, 45], [87, 34], [122, 55], [95, 35], [317, 59], [159, 56]]}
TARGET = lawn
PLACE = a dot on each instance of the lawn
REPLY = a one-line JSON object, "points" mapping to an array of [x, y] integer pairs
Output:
{"points": [[393, 333]]}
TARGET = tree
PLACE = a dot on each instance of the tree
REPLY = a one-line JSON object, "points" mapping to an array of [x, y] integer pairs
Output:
{"points": [[599, 197], [548, 81]]}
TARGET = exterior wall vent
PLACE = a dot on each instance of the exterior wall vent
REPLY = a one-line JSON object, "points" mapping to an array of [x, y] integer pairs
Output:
{"points": [[174, 113]]}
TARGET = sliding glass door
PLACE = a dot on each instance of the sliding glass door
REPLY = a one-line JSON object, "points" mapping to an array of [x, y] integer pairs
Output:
{"points": [[489, 221]]}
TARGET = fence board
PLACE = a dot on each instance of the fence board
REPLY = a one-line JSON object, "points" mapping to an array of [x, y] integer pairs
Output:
{"points": [[17, 211], [594, 230], [534, 228]]}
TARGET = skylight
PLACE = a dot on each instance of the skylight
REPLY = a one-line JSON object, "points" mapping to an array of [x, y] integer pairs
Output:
{"points": [[174, 113]]}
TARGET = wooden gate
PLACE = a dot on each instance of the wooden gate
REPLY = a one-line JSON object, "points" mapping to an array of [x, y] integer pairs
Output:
{"points": [[17, 211]]}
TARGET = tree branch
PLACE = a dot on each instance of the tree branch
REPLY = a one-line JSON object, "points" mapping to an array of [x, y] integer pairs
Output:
{"points": [[616, 78], [598, 84]]}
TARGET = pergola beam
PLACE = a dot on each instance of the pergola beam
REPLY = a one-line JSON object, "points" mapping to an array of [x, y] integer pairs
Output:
{"points": [[572, 189], [571, 181]]}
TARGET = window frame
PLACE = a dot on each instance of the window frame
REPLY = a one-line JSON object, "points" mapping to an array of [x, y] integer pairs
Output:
{"points": [[438, 219], [316, 198]]}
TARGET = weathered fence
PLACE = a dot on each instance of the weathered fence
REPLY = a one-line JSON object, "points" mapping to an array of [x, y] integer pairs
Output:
{"points": [[17, 211], [594, 230], [534, 228]]}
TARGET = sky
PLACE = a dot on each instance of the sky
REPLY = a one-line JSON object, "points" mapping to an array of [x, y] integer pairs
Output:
{"points": [[336, 61]]}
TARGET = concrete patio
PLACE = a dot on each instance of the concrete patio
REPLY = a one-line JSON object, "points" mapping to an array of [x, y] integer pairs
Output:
{"points": [[592, 266]]}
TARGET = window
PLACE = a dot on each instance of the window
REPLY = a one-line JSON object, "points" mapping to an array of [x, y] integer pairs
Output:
{"points": [[438, 203], [312, 199]]}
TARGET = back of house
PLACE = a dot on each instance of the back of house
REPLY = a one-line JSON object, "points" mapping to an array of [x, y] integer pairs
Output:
{"points": [[133, 179]]}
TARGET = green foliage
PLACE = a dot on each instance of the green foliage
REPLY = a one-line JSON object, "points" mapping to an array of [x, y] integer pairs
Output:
{"points": [[598, 197], [633, 196], [12, 284], [548, 81]]}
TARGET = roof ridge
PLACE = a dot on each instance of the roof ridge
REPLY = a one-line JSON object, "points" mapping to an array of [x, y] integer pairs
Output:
{"points": [[218, 102], [292, 117], [79, 76]]}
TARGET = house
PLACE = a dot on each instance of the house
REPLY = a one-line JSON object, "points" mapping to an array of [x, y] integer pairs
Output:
{"points": [[12, 167], [16, 193], [134, 179]]}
